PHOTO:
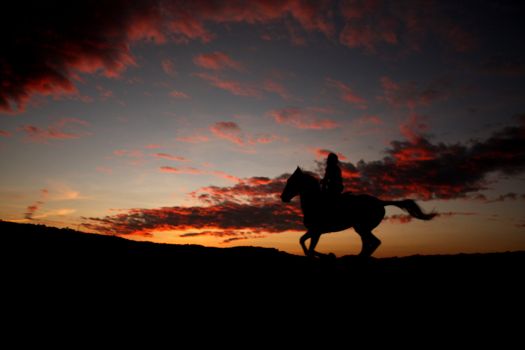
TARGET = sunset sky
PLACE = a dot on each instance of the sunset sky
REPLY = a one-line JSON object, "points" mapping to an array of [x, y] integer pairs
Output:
{"points": [[179, 121]]}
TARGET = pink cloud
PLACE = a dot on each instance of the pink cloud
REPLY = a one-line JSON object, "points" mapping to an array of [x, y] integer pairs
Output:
{"points": [[152, 146], [235, 87], [277, 88], [229, 131], [195, 171], [369, 119], [178, 94], [217, 61], [187, 170], [347, 94], [62, 129], [104, 170], [301, 119], [129, 153], [5, 133], [168, 67], [193, 138], [169, 157]]}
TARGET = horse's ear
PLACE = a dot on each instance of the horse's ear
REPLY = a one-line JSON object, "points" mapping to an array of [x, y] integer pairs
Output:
{"points": [[299, 169]]}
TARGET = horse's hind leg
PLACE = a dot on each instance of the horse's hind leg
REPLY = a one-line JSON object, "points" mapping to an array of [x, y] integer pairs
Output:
{"points": [[370, 242], [303, 239], [314, 239]]}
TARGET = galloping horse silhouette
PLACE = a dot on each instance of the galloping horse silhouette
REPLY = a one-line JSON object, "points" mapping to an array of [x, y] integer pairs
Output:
{"points": [[362, 212]]}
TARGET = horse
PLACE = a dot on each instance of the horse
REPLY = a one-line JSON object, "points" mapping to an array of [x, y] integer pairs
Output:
{"points": [[323, 215]]}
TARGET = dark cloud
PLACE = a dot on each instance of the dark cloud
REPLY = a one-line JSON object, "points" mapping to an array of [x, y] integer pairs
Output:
{"points": [[415, 169], [225, 217], [422, 169], [45, 45]]}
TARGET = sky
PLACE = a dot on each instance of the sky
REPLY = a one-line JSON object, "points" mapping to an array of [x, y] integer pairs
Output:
{"points": [[179, 122]]}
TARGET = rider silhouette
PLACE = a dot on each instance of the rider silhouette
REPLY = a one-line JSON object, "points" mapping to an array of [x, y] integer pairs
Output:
{"points": [[332, 182]]}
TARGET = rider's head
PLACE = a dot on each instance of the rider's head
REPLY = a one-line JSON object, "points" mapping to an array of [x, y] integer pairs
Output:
{"points": [[332, 159]]}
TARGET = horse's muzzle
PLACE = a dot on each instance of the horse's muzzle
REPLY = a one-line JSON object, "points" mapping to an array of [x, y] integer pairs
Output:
{"points": [[284, 199]]}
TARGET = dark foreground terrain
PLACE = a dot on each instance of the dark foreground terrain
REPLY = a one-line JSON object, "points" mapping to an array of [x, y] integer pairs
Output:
{"points": [[49, 266]]}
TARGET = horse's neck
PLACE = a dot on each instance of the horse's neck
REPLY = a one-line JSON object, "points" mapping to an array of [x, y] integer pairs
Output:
{"points": [[309, 200]]}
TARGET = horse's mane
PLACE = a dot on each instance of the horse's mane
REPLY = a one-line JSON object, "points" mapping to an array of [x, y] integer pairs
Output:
{"points": [[310, 178]]}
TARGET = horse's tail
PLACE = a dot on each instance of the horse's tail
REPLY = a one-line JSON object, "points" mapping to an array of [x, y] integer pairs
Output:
{"points": [[412, 208]]}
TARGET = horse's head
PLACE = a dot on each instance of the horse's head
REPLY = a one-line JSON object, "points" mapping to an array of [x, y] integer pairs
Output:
{"points": [[292, 187]]}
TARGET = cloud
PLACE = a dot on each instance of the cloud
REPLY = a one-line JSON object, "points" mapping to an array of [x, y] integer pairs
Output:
{"points": [[323, 153], [507, 196], [371, 25], [302, 118], [195, 171], [179, 94], [104, 170], [233, 86], [48, 51], [229, 131], [271, 85], [62, 129], [217, 61], [33, 208], [186, 170], [226, 217], [347, 94], [169, 157], [421, 169], [410, 95], [251, 206], [168, 67], [5, 133], [193, 138]]}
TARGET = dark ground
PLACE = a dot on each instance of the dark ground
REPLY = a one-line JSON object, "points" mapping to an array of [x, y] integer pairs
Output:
{"points": [[61, 269]]}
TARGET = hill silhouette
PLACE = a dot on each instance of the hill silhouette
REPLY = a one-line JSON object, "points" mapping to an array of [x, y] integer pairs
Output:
{"points": [[49, 273], [38, 247]]}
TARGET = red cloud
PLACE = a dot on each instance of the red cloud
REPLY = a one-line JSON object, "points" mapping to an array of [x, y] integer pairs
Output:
{"points": [[57, 131], [413, 128], [235, 87], [5, 133], [323, 153], [169, 157], [301, 118], [216, 61], [419, 168], [178, 94], [347, 94], [252, 206]]}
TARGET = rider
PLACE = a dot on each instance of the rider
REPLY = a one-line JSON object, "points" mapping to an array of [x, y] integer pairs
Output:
{"points": [[332, 182]]}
